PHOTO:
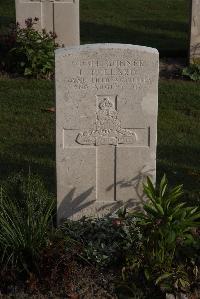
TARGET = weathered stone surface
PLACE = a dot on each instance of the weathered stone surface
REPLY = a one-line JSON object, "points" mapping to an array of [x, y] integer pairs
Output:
{"points": [[179, 296], [195, 32], [59, 16], [106, 106]]}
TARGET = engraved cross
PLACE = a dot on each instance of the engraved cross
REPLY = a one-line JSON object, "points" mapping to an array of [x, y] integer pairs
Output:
{"points": [[106, 136]]}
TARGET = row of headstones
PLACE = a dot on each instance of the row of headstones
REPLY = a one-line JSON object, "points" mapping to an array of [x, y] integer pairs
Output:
{"points": [[62, 17], [106, 117]]}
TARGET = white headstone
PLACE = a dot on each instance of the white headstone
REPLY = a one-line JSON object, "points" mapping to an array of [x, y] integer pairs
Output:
{"points": [[194, 54], [106, 127], [59, 16]]}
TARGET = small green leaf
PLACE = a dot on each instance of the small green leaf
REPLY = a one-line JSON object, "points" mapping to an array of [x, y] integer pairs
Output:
{"points": [[147, 274], [163, 277], [151, 210]]}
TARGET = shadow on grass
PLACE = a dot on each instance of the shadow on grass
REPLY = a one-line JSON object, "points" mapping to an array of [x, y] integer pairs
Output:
{"points": [[6, 23], [181, 164], [10, 166], [174, 26], [166, 44], [35, 150]]}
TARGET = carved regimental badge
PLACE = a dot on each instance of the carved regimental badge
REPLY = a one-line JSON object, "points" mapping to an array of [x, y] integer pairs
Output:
{"points": [[107, 128]]}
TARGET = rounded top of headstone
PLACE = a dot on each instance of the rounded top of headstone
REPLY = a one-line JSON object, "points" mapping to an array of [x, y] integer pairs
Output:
{"points": [[106, 46]]}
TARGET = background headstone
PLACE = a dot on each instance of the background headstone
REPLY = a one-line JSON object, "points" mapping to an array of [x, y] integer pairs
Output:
{"points": [[106, 122], [59, 16], [194, 55]]}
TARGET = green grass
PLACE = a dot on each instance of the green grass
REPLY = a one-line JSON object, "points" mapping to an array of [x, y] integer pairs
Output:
{"points": [[157, 23], [7, 13], [179, 132], [28, 135]]}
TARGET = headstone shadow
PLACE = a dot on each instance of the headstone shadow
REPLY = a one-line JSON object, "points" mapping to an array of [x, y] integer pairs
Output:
{"points": [[71, 204], [135, 182]]}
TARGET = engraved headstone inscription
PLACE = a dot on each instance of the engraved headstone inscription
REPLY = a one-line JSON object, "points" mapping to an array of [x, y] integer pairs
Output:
{"points": [[106, 127], [59, 16], [194, 53]]}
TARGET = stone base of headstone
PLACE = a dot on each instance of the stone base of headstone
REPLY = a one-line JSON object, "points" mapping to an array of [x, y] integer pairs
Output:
{"points": [[179, 296]]}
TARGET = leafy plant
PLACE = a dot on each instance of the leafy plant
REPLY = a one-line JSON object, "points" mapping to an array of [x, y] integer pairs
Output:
{"points": [[192, 71], [166, 225], [105, 241], [26, 211], [27, 51]]}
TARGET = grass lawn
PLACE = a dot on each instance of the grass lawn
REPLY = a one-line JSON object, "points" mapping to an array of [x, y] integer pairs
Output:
{"points": [[179, 132], [162, 24], [157, 23], [7, 13], [28, 135]]}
